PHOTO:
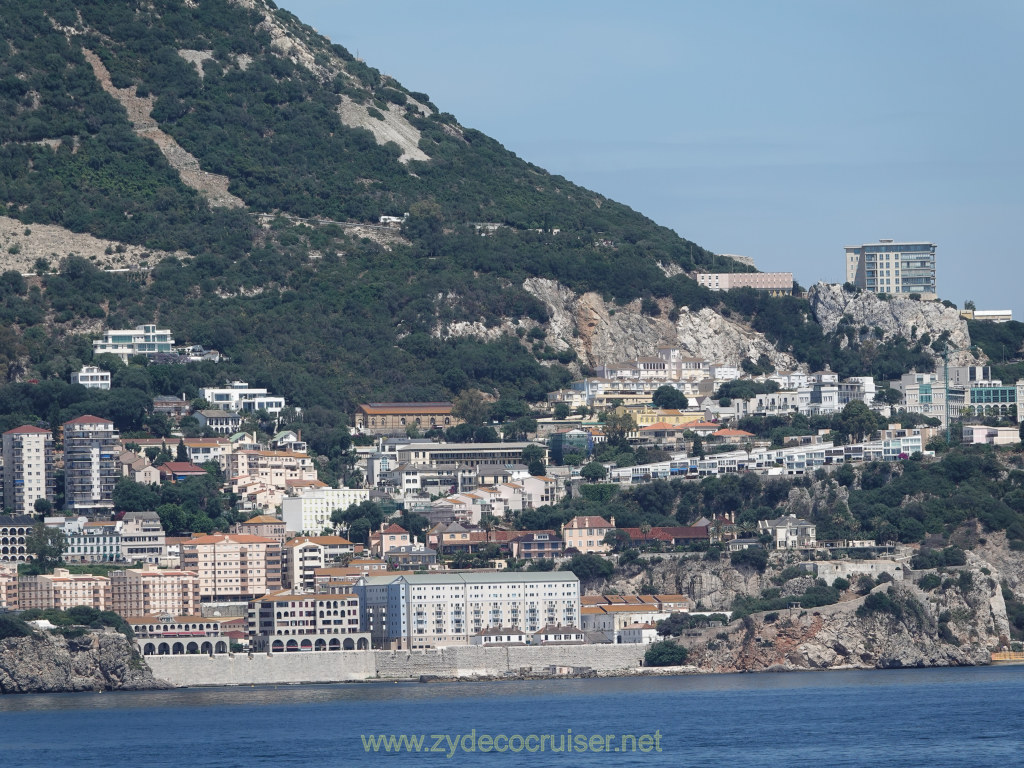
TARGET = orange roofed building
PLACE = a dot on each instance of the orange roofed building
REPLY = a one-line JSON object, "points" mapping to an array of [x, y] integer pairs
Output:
{"points": [[233, 566], [395, 418]]}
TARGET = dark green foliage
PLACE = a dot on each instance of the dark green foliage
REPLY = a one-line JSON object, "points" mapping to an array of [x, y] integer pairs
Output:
{"points": [[754, 557], [880, 602], [665, 654], [840, 584], [79, 616], [771, 600], [667, 396], [589, 567], [13, 626], [938, 558], [676, 623], [1014, 612], [929, 582]]}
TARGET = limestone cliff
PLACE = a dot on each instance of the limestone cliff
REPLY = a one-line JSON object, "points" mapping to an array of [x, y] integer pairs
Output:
{"points": [[601, 332], [50, 663], [894, 317]]}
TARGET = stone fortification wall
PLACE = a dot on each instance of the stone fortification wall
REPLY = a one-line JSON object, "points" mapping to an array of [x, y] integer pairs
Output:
{"points": [[333, 667]]}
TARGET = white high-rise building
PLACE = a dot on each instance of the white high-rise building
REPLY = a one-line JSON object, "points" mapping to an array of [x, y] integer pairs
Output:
{"points": [[90, 463], [891, 267], [28, 468]]}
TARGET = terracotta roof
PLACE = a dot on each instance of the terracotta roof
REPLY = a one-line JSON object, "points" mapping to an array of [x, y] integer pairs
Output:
{"points": [[28, 429], [182, 466], [401, 408], [221, 538], [261, 520], [88, 420], [324, 541], [394, 528], [588, 521], [732, 433]]}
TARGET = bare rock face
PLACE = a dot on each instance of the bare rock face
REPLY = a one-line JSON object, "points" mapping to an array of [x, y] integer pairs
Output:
{"points": [[601, 332], [97, 661], [895, 317], [835, 636]]}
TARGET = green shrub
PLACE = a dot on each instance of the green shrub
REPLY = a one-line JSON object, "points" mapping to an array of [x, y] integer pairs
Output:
{"points": [[665, 654], [929, 582], [754, 557], [840, 583]]}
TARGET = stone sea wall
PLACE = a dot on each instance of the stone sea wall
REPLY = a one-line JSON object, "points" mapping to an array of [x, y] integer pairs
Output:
{"points": [[328, 667]]}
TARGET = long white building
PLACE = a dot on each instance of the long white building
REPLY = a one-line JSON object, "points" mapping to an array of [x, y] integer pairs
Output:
{"points": [[436, 610]]}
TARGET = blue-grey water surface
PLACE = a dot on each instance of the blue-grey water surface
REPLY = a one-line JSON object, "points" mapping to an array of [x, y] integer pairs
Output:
{"points": [[947, 717]]}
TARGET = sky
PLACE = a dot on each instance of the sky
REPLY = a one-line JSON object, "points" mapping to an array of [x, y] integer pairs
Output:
{"points": [[781, 131]]}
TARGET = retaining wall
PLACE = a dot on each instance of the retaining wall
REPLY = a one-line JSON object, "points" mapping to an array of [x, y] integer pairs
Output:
{"points": [[335, 667]]}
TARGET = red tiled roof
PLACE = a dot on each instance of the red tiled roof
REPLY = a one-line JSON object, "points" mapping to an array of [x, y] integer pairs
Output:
{"points": [[88, 420], [28, 429]]}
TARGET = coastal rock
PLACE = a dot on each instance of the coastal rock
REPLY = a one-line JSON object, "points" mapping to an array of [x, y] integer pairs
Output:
{"points": [[50, 663], [895, 317]]}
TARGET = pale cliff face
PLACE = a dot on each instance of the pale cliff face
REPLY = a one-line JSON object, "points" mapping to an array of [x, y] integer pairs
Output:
{"points": [[895, 317]]}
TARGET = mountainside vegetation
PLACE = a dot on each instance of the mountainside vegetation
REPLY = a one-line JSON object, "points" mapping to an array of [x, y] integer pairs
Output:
{"points": [[298, 285]]}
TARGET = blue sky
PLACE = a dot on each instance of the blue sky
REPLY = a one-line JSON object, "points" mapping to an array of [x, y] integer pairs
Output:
{"points": [[781, 131]]}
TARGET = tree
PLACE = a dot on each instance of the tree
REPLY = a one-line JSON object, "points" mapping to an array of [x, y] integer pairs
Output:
{"points": [[667, 396], [969, 304], [593, 472], [48, 545], [181, 454], [617, 427], [131, 496], [590, 566], [698, 446], [561, 411], [43, 506], [857, 420], [665, 654], [471, 407]]}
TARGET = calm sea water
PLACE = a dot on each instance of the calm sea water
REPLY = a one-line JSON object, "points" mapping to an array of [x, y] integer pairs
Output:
{"points": [[955, 717]]}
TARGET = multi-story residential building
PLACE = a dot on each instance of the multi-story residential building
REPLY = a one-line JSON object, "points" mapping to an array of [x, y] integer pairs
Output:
{"points": [[434, 610], [14, 533], [93, 542], [150, 590], [145, 340], [303, 555], [586, 534], [200, 449], [891, 267], [233, 566], [536, 545], [62, 590], [91, 377], [993, 400], [274, 468], [387, 538], [90, 464], [310, 512], [579, 441], [28, 468], [396, 418], [219, 422], [773, 283], [142, 537], [789, 532], [267, 526], [285, 622], [239, 396], [469, 455], [412, 557], [9, 586]]}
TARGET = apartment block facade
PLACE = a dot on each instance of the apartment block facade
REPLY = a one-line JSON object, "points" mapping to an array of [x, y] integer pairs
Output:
{"points": [[888, 266], [436, 610], [149, 590], [90, 463], [62, 590], [233, 566], [28, 468]]}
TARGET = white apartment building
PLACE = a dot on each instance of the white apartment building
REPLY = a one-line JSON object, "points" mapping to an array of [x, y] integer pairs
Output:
{"points": [[28, 468], [436, 610], [290, 622], [303, 555], [92, 377], [142, 538], [239, 396], [143, 340], [310, 512], [274, 468]]}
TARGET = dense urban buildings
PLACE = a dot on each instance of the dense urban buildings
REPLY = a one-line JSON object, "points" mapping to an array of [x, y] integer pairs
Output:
{"points": [[891, 267]]}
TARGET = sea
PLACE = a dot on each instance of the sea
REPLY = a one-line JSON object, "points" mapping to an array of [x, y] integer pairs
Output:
{"points": [[961, 717]]}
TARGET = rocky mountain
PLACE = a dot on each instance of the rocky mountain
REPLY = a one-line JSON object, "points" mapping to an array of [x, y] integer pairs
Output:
{"points": [[50, 663], [233, 166]]}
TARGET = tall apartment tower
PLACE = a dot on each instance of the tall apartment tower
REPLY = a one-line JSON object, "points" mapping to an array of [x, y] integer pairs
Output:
{"points": [[90, 464], [28, 469], [891, 267]]}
